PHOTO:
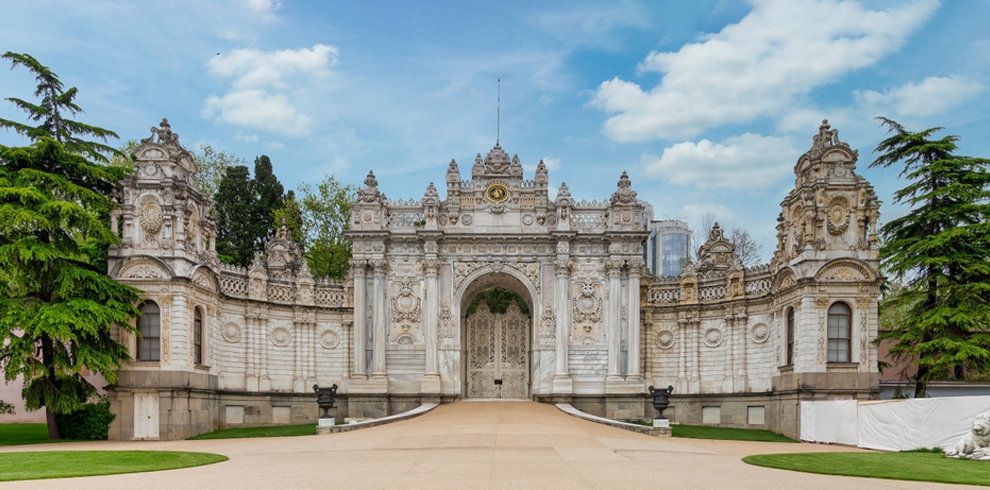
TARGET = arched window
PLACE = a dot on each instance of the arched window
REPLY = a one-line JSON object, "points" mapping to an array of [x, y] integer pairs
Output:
{"points": [[839, 333], [150, 330], [790, 336], [198, 336]]}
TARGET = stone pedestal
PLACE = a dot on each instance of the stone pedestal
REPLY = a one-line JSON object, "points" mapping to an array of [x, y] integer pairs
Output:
{"points": [[325, 425], [661, 423]]}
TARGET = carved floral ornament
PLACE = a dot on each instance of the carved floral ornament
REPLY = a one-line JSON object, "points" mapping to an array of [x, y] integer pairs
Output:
{"points": [[665, 339], [150, 215], [838, 216], [231, 333], [281, 336], [760, 333], [713, 337], [844, 272], [143, 269], [329, 339]]}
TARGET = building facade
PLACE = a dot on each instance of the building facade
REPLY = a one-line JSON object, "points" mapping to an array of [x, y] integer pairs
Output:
{"points": [[224, 346]]}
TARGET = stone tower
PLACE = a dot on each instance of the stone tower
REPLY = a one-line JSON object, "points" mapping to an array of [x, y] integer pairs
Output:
{"points": [[825, 280]]}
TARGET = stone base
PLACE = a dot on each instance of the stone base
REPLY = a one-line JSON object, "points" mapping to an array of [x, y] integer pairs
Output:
{"points": [[325, 425], [430, 383], [563, 384], [662, 423]]}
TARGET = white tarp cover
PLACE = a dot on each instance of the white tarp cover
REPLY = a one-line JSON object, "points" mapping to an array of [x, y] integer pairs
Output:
{"points": [[832, 421], [899, 425]]}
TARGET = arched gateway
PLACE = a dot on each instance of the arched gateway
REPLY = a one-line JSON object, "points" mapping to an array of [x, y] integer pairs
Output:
{"points": [[576, 264], [741, 345], [497, 344]]}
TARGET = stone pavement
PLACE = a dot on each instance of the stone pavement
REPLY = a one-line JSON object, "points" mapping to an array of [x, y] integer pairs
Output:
{"points": [[466, 445]]}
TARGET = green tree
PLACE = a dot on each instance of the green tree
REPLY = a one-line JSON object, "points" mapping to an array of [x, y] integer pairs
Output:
{"points": [[498, 301], [290, 214], [326, 214], [233, 211], [211, 166], [939, 251], [57, 306], [269, 196]]}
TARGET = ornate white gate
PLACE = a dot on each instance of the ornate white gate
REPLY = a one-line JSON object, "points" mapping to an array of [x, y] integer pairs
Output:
{"points": [[498, 353]]}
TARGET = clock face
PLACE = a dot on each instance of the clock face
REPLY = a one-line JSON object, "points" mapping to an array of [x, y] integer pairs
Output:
{"points": [[497, 193]]}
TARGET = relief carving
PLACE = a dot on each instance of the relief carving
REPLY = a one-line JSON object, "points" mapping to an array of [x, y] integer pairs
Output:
{"points": [[587, 307]]}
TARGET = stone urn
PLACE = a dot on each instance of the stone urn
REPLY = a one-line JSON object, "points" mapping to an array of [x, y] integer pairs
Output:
{"points": [[661, 399], [325, 398]]}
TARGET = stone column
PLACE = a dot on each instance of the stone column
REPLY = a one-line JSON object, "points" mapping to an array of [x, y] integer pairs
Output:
{"points": [[380, 332], [613, 319], [632, 316], [431, 376], [360, 315], [562, 307]]}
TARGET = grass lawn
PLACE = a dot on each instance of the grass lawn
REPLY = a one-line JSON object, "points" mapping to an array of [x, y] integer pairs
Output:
{"points": [[726, 433], [917, 466], [63, 464], [17, 434], [273, 431]]}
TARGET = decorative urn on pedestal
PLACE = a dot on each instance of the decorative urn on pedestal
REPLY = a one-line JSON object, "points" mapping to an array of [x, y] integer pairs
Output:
{"points": [[661, 400]]}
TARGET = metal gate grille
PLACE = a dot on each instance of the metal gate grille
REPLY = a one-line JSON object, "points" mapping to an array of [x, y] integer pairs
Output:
{"points": [[498, 353]]}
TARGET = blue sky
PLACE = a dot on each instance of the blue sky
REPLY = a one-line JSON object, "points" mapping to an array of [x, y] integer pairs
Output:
{"points": [[706, 104]]}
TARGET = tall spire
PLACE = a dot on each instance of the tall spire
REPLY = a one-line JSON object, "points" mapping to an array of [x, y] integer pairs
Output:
{"points": [[498, 113]]}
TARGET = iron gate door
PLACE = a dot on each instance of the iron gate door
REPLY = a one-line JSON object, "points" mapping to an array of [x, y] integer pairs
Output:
{"points": [[498, 353]]}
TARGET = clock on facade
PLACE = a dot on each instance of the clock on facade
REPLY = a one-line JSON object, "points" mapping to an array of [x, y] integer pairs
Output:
{"points": [[497, 193]]}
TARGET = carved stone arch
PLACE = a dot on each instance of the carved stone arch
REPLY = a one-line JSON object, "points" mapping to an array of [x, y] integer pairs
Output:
{"points": [[839, 153], [142, 267], [489, 278], [803, 163], [785, 278], [151, 152], [845, 270], [204, 277]]}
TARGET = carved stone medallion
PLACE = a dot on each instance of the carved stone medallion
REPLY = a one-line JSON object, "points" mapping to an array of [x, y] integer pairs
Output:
{"points": [[713, 337], [665, 339], [150, 215], [281, 336], [329, 339], [231, 333], [760, 333]]}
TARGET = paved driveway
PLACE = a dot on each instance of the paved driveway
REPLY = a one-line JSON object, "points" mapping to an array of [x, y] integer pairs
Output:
{"points": [[471, 445]]}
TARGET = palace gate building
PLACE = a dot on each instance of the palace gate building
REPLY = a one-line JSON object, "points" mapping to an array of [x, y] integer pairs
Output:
{"points": [[224, 346]]}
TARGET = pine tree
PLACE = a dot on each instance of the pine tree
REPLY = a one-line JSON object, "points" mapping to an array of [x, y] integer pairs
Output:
{"points": [[269, 197], [57, 305], [234, 210], [939, 251]]}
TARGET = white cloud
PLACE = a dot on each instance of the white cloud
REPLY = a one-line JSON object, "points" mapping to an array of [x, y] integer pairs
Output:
{"points": [[591, 26], [747, 161], [932, 95], [252, 68], [257, 109], [758, 67], [266, 8], [258, 97]]}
